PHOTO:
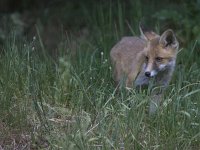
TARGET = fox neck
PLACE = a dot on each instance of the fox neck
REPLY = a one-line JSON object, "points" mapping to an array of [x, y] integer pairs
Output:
{"points": [[163, 77]]}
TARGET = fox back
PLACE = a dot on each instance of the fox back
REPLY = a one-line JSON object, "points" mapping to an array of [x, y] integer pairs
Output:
{"points": [[139, 60]]}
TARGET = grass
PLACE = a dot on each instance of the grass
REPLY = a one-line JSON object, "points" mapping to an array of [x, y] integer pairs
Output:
{"points": [[73, 104]]}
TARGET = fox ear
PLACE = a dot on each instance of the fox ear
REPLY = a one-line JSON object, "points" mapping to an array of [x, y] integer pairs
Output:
{"points": [[142, 35], [147, 34], [168, 38]]}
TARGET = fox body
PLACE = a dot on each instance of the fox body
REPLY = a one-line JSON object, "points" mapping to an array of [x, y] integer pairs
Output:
{"points": [[140, 60]]}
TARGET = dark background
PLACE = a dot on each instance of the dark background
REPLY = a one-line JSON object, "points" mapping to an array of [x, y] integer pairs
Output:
{"points": [[53, 18]]}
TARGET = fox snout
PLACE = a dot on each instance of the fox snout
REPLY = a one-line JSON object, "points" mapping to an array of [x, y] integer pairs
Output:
{"points": [[147, 74], [153, 68], [150, 70], [150, 73]]}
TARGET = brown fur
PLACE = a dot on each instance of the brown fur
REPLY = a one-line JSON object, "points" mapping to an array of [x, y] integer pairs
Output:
{"points": [[123, 55], [128, 55], [140, 58]]}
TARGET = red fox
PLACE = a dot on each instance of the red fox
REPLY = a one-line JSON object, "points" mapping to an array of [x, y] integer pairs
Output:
{"points": [[140, 60]]}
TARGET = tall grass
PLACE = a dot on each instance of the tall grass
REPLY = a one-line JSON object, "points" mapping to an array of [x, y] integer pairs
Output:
{"points": [[73, 103]]}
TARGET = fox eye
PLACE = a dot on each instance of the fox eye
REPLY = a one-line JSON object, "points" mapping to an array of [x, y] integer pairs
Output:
{"points": [[147, 58], [159, 59]]}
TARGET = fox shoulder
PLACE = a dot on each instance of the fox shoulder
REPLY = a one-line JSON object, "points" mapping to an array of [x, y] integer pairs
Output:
{"points": [[127, 45]]}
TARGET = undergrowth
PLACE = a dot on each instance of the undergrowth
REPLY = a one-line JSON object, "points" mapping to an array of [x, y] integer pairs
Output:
{"points": [[72, 103]]}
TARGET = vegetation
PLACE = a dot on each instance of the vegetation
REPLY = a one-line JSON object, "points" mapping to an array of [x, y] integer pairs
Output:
{"points": [[71, 102]]}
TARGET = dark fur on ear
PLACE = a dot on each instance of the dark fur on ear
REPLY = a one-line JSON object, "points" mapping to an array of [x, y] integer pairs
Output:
{"points": [[168, 38]]}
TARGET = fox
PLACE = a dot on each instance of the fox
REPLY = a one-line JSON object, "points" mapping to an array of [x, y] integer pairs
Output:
{"points": [[143, 60]]}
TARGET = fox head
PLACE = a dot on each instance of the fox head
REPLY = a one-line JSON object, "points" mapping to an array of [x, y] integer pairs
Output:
{"points": [[159, 52]]}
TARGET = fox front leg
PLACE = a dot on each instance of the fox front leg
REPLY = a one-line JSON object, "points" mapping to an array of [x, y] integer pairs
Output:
{"points": [[155, 102], [135, 70], [131, 77]]}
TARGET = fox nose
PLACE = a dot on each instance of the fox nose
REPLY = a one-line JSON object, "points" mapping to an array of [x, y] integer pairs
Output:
{"points": [[147, 74]]}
